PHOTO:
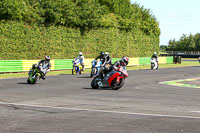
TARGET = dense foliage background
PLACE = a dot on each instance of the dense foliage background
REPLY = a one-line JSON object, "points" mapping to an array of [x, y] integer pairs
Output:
{"points": [[185, 43], [30, 29]]}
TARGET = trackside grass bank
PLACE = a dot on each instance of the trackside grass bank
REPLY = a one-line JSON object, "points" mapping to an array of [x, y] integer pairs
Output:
{"points": [[63, 72]]}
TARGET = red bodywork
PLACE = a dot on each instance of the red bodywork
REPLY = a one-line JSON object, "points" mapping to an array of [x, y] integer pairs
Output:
{"points": [[118, 75], [113, 77]]}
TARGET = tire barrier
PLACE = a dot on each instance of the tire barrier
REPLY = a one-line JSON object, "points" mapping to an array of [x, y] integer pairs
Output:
{"points": [[62, 64]]}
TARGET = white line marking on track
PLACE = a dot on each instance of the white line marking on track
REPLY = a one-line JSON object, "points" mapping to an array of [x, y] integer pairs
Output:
{"points": [[195, 111], [102, 111]]}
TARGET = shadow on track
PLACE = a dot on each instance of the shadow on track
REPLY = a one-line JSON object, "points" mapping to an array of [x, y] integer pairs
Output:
{"points": [[98, 88], [85, 77], [23, 83]]}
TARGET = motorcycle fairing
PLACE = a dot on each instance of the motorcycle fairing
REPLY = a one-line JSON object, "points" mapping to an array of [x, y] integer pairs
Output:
{"points": [[111, 78]]}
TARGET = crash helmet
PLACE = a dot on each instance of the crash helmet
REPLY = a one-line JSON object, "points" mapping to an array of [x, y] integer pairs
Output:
{"points": [[154, 53], [47, 58], [80, 54], [125, 61], [102, 54], [106, 54]]}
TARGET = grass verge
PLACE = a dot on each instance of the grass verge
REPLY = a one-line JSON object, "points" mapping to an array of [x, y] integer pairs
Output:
{"points": [[25, 74]]}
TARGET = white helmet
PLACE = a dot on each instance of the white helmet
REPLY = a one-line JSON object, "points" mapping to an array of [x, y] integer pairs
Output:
{"points": [[106, 53], [80, 53], [155, 53]]}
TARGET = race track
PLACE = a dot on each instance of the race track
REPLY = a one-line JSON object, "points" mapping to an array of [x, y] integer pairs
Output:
{"points": [[67, 104]]}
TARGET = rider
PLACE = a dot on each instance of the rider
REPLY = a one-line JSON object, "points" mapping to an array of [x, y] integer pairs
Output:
{"points": [[82, 60], [155, 56], [108, 58], [123, 62], [102, 58], [45, 66]]}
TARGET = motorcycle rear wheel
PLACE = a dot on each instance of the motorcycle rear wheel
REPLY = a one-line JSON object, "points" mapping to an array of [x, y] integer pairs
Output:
{"points": [[117, 86]]}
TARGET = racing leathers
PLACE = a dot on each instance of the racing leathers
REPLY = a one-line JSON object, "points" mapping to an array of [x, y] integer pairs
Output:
{"points": [[108, 59], [102, 59], [106, 64], [82, 61], [44, 67], [117, 64], [154, 56]]}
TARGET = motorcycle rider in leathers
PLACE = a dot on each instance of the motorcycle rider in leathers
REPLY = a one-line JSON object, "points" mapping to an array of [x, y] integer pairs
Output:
{"points": [[108, 58], [44, 66], [123, 62], [156, 57], [82, 60], [105, 59], [102, 58]]}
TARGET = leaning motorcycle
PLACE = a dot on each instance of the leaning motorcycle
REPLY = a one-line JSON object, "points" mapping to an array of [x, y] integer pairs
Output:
{"points": [[96, 66], [35, 74], [154, 64], [114, 79], [77, 67]]}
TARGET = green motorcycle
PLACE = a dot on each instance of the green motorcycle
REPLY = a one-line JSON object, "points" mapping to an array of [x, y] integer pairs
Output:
{"points": [[34, 75]]}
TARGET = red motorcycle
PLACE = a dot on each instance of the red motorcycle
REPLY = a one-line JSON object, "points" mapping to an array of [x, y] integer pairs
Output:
{"points": [[114, 79]]}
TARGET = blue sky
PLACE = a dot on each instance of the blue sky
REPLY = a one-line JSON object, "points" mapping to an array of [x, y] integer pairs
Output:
{"points": [[176, 17]]}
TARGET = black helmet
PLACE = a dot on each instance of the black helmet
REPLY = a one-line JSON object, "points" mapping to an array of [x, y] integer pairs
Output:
{"points": [[102, 53], [47, 58]]}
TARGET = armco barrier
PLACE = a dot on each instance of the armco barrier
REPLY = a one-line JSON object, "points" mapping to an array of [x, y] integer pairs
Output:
{"points": [[169, 60], [11, 66], [144, 60], [61, 64]]}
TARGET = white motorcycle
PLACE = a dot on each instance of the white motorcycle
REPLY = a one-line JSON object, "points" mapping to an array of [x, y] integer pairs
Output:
{"points": [[154, 63]]}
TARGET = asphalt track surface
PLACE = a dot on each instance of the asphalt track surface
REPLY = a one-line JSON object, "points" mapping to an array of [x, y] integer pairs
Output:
{"points": [[67, 104]]}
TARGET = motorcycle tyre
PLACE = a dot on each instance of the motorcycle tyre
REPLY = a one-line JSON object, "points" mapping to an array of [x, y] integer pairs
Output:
{"points": [[94, 84], [117, 87], [28, 81], [73, 71], [80, 71], [152, 66], [92, 72]]}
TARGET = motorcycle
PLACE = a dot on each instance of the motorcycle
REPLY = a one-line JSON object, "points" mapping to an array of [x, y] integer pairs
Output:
{"points": [[35, 74], [114, 79], [96, 66], [77, 67], [154, 64]]}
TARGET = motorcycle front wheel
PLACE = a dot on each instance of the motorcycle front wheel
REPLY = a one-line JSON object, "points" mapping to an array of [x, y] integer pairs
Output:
{"points": [[92, 72], [73, 70], [94, 83], [117, 86], [28, 81], [152, 66]]}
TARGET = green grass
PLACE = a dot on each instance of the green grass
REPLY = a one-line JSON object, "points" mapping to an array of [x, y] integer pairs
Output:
{"points": [[25, 74]]}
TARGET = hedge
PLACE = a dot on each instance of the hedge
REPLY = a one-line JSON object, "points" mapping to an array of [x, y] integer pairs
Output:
{"points": [[19, 41]]}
